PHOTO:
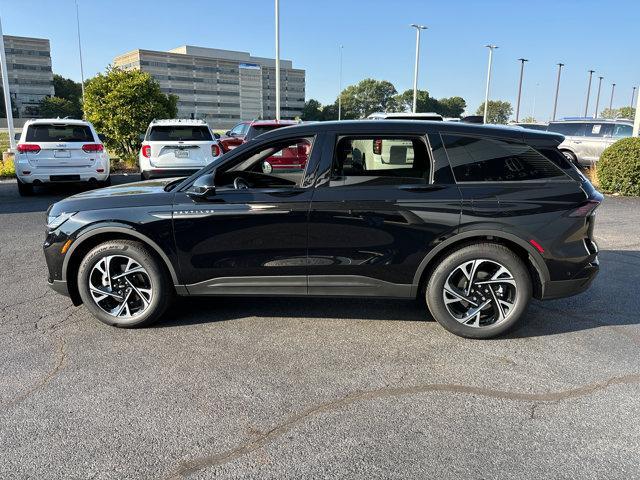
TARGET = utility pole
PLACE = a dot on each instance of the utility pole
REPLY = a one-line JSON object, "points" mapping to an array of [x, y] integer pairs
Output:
{"points": [[340, 86], [415, 67], [598, 96], [7, 94], [486, 92], [522, 61], [80, 51], [633, 95], [586, 106], [277, 60], [636, 122], [613, 89], [555, 103]]}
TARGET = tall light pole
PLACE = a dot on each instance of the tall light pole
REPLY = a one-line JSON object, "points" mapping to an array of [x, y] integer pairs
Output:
{"points": [[340, 85], [613, 89], [555, 102], [486, 92], [415, 68], [80, 51], [522, 61], [586, 106], [277, 60], [633, 95], [598, 96], [636, 122], [7, 94]]}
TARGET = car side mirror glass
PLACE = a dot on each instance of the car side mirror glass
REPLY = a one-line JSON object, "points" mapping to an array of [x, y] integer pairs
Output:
{"points": [[228, 133], [141, 137], [203, 188], [216, 135], [16, 136]]}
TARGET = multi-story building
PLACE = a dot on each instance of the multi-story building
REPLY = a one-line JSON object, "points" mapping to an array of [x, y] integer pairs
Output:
{"points": [[29, 73], [222, 87]]}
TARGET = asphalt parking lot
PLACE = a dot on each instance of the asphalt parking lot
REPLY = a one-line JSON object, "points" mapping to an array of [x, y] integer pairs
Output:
{"points": [[316, 388]]}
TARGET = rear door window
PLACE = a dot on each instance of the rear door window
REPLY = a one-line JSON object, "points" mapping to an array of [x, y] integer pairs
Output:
{"points": [[598, 129], [575, 129], [622, 130], [59, 133], [485, 159], [165, 133]]}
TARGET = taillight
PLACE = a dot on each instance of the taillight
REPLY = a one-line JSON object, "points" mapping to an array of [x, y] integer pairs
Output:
{"points": [[215, 150], [92, 147], [146, 151], [585, 209], [377, 146], [28, 148]]}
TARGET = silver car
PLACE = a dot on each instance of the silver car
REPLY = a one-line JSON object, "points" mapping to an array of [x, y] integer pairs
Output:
{"points": [[585, 140]]}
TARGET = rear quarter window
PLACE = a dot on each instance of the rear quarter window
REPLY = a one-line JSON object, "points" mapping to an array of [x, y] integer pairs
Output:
{"points": [[485, 159], [59, 133], [185, 133]]}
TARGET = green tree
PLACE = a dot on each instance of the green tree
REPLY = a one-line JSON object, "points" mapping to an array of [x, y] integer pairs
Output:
{"points": [[447, 107], [452, 106], [121, 103], [52, 107], [367, 97], [529, 119], [67, 88], [498, 111], [623, 112], [312, 110], [330, 112]]}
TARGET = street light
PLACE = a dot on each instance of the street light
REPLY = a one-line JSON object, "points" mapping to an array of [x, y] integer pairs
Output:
{"points": [[598, 96], [522, 61], [415, 68], [636, 122], [555, 103], [277, 7], [7, 94], [633, 95], [340, 85], [80, 51], [613, 89], [486, 92], [586, 106]]}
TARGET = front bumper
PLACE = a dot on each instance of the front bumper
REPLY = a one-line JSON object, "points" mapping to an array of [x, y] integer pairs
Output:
{"points": [[578, 284]]}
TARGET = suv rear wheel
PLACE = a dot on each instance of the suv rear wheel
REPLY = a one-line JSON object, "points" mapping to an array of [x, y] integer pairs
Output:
{"points": [[25, 189], [123, 284], [479, 291]]}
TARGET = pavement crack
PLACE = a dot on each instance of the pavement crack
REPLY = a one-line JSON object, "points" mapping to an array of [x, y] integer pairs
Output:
{"points": [[61, 356], [188, 467]]}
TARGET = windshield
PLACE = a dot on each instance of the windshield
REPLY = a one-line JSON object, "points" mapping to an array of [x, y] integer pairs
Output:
{"points": [[179, 133], [59, 133]]}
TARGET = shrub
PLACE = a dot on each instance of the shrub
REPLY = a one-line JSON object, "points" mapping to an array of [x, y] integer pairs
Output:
{"points": [[619, 167], [7, 169]]}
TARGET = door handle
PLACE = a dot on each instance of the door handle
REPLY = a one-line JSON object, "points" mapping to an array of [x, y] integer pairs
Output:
{"points": [[577, 141]]}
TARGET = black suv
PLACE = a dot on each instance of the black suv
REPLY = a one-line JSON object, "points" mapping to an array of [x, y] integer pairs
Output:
{"points": [[474, 219]]}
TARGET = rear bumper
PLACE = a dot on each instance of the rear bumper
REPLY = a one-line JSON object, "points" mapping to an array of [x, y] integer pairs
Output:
{"points": [[62, 177], [578, 284]]}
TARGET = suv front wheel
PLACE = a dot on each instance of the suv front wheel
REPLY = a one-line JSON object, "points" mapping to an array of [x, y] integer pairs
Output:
{"points": [[479, 291], [123, 284]]}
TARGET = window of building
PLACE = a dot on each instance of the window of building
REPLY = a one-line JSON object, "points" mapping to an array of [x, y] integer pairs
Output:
{"points": [[485, 159]]}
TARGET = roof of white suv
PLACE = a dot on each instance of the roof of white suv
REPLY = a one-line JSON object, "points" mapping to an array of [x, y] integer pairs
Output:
{"points": [[67, 121], [178, 121]]}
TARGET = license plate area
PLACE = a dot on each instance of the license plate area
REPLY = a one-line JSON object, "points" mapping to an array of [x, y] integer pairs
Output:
{"points": [[64, 178], [182, 153], [62, 154]]}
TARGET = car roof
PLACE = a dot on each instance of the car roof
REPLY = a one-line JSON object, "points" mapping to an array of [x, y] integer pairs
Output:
{"points": [[413, 127], [178, 121], [272, 123], [403, 115], [592, 120], [67, 121]]}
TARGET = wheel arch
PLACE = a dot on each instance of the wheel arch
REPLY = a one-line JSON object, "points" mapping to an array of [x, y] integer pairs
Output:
{"points": [[88, 240], [527, 253]]}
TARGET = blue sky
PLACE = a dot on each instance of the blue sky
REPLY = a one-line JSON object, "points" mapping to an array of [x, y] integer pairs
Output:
{"points": [[584, 34]]}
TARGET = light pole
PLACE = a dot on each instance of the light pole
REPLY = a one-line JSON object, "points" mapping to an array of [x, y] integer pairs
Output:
{"points": [[586, 106], [277, 6], [633, 95], [415, 68], [7, 94], [80, 51], [555, 102], [340, 85], [522, 61], [636, 122], [613, 89], [486, 92], [598, 96]]}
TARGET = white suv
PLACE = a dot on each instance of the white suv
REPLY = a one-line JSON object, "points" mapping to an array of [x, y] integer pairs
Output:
{"points": [[174, 148], [59, 150]]}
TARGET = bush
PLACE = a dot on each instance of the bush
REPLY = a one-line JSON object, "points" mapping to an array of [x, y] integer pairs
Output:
{"points": [[7, 169], [619, 167]]}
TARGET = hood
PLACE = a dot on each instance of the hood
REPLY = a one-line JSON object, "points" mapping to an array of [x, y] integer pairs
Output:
{"points": [[138, 194]]}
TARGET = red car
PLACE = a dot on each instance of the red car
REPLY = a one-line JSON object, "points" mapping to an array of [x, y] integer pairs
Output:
{"points": [[291, 158]]}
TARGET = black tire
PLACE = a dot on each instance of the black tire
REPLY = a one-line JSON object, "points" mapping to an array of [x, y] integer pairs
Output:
{"points": [[144, 176], [106, 183], [25, 189], [493, 253], [158, 280]]}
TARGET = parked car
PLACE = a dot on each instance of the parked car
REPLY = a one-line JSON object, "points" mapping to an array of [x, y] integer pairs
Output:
{"points": [[475, 221], [176, 147], [59, 150], [532, 126], [293, 158], [406, 116], [585, 140]]}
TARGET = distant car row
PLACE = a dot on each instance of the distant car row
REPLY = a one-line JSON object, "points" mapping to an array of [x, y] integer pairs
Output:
{"points": [[585, 140]]}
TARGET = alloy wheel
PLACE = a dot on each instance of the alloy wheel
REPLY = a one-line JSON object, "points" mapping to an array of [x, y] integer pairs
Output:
{"points": [[480, 293], [120, 286]]}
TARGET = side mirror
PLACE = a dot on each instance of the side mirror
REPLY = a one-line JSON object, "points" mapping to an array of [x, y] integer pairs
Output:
{"points": [[228, 133], [102, 137], [216, 135], [203, 188], [141, 137], [16, 136]]}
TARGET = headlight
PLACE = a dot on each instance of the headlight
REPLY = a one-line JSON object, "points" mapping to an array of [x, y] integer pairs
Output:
{"points": [[54, 221]]}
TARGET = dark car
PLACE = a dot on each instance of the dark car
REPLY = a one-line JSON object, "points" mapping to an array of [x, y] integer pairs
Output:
{"points": [[473, 219]]}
